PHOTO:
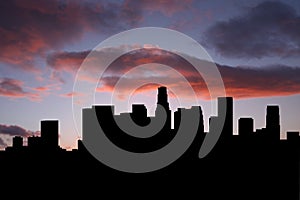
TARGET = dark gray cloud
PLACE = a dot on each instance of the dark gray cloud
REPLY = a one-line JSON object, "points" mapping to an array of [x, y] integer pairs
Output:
{"points": [[249, 82], [271, 28], [29, 28], [13, 130]]}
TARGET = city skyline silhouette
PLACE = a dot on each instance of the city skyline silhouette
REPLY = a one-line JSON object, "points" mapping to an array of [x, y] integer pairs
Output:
{"points": [[139, 115], [161, 99], [244, 158]]}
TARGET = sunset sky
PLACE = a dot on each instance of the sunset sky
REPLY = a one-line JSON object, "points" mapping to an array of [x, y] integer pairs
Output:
{"points": [[255, 44]]}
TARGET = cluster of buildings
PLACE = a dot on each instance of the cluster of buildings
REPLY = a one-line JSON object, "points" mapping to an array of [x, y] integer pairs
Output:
{"points": [[49, 139]]}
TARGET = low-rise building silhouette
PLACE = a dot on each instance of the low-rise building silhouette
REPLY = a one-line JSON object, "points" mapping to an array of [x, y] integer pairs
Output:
{"points": [[17, 142], [245, 126]]}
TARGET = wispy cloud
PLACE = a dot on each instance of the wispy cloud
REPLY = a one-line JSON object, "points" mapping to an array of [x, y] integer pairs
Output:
{"points": [[70, 94], [15, 89]]}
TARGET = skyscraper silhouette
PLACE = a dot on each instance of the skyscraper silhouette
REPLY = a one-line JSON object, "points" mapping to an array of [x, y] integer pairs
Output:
{"points": [[162, 103], [273, 121], [201, 120], [225, 112], [177, 118], [162, 97], [213, 121], [49, 134]]}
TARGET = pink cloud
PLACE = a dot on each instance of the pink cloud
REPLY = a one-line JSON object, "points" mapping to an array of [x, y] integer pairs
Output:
{"points": [[16, 89], [71, 94], [240, 82], [66, 61], [42, 89]]}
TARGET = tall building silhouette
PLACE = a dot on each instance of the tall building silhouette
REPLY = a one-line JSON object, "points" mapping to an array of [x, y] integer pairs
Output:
{"points": [[225, 111], [177, 118], [213, 121], [272, 118], [201, 120], [273, 121], [245, 126], [49, 133], [162, 97], [162, 103]]}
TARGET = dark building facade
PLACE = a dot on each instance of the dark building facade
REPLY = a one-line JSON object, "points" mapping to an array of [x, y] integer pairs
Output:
{"points": [[273, 122], [162, 97], [17, 142], [178, 113], [162, 103], [34, 142], [245, 126], [49, 133], [225, 113], [139, 114]]}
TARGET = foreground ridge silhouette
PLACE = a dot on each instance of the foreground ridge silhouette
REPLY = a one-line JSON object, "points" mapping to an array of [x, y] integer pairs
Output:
{"points": [[253, 164]]}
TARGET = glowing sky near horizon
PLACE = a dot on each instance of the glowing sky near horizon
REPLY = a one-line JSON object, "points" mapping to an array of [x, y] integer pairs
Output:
{"points": [[42, 44]]}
